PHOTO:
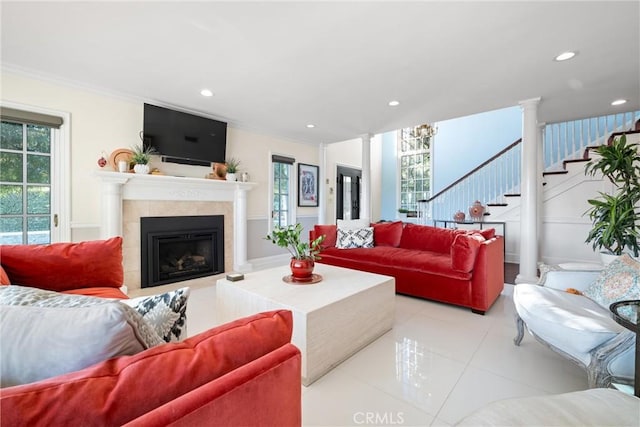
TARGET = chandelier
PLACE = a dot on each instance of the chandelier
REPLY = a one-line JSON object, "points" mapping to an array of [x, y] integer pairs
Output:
{"points": [[425, 131]]}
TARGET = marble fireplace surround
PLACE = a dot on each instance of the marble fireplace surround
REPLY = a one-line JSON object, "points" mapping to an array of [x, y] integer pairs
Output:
{"points": [[126, 197]]}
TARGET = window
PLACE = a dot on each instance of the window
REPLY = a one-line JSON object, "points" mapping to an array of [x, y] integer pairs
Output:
{"points": [[26, 146], [281, 205], [415, 165]]}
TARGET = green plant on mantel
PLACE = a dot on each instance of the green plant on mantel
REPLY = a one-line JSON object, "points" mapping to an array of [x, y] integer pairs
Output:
{"points": [[232, 165], [142, 154], [289, 237], [616, 216]]}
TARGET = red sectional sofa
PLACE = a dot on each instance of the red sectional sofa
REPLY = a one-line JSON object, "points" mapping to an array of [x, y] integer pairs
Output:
{"points": [[242, 373], [458, 267]]}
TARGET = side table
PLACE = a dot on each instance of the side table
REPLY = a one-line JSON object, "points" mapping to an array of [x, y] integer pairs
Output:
{"points": [[627, 314]]}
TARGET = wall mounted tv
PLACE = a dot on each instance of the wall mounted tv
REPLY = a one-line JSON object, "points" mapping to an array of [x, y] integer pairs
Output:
{"points": [[184, 138]]}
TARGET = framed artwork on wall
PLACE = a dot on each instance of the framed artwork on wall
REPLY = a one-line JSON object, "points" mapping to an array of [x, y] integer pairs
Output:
{"points": [[307, 185]]}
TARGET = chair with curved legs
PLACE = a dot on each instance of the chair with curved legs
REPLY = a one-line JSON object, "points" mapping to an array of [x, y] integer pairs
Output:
{"points": [[575, 326]]}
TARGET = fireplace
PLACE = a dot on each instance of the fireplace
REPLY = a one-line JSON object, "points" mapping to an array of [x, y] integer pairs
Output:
{"points": [[178, 248]]}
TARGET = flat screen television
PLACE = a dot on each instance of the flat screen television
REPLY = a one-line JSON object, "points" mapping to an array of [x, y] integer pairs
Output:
{"points": [[184, 138]]}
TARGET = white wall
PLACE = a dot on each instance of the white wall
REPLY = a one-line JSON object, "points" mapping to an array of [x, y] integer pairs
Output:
{"points": [[102, 122], [463, 143], [98, 123]]}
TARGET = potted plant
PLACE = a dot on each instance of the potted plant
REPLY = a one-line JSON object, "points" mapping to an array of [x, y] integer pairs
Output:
{"points": [[232, 168], [303, 254], [141, 157], [616, 216]]}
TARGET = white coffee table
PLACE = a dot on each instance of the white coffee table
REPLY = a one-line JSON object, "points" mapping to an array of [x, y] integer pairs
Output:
{"points": [[332, 319]]}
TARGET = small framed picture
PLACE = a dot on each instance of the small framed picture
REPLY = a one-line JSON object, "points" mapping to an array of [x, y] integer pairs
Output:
{"points": [[307, 185]]}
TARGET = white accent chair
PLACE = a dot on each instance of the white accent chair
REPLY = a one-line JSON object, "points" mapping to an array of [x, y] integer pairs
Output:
{"points": [[575, 326]]}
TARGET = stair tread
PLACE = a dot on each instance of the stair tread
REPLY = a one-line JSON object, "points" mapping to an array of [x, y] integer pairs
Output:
{"points": [[575, 160]]}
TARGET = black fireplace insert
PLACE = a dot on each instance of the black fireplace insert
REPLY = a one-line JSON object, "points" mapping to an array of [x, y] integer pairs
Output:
{"points": [[180, 248]]}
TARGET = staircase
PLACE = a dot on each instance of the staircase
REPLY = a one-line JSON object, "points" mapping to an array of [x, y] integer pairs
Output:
{"points": [[496, 183]]}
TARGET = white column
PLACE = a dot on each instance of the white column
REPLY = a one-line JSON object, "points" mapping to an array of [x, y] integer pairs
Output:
{"points": [[112, 206], [322, 184], [240, 230], [529, 193], [540, 185], [365, 198]]}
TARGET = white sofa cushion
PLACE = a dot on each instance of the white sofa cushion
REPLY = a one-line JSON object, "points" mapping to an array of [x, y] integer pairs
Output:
{"points": [[46, 333], [352, 224], [42, 342], [572, 323], [568, 275]]}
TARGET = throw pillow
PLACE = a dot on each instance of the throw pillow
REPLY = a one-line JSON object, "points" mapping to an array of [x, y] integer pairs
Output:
{"points": [[4, 279], [620, 280], [360, 238], [487, 233], [387, 233], [428, 238], [32, 297], [166, 313], [65, 266], [464, 250], [330, 233], [48, 339], [352, 224]]}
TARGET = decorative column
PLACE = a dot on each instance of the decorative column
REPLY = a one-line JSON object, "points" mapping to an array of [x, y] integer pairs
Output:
{"points": [[111, 221], [322, 185], [240, 230], [540, 185], [365, 197], [529, 193]]}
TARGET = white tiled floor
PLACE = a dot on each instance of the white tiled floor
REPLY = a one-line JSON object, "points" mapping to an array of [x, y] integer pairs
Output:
{"points": [[438, 364]]}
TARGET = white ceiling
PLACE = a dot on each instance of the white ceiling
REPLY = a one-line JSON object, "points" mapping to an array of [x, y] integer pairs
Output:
{"points": [[274, 67]]}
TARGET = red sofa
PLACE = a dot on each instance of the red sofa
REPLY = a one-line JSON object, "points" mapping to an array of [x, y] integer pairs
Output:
{"points": [[242, 373], [458, 267]]}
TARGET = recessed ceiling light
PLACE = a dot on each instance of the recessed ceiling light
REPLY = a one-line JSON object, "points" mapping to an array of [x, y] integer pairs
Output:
{"points": [[394, 103], [206, 92], [565, 55], [311, 126], [619, 102]]}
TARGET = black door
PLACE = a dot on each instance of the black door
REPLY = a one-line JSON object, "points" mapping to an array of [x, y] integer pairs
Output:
{"points": [[348, 193]]}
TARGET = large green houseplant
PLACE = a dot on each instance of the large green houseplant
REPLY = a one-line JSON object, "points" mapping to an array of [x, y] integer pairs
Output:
{"points": [[303, 254], [616, 216]]}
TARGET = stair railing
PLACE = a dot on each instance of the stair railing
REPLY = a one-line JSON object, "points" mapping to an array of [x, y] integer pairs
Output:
{"points": [[498, 177], [489, 181], [568, 140]]}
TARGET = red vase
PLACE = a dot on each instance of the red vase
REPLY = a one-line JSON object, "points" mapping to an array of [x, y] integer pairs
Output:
{"points": [[301, 268]]}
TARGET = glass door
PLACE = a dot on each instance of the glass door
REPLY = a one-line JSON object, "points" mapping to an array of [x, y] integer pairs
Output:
{"points": [[25, 183], [348, 198]]}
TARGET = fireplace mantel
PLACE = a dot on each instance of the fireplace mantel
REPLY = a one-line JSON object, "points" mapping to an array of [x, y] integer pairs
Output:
{"points": [[117, 187]]}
